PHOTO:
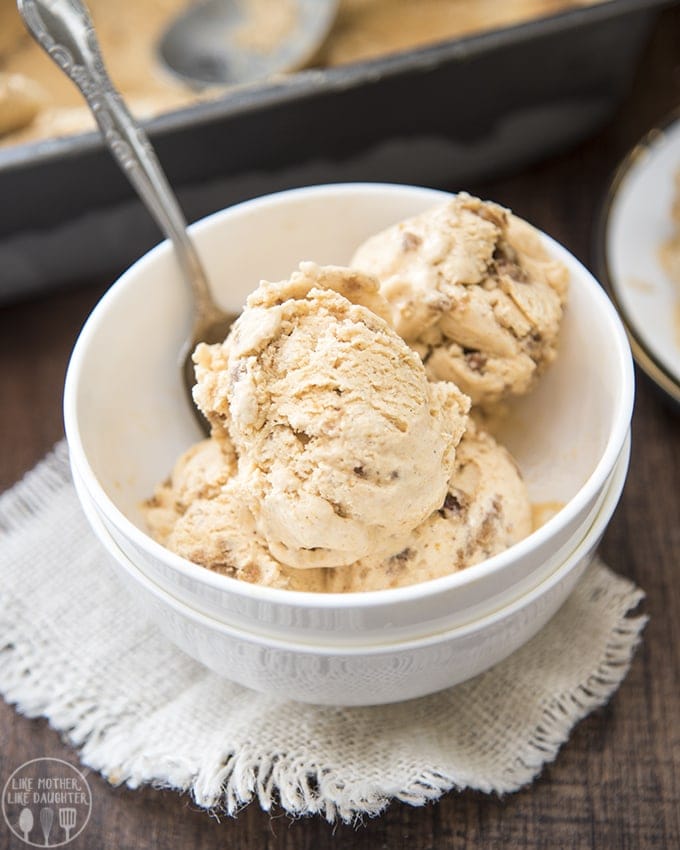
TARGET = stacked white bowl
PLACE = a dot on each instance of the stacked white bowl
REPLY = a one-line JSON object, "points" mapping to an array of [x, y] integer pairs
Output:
{"points": [[128, 418]]}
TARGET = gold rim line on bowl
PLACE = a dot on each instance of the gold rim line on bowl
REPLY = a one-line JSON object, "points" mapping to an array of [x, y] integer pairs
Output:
{"points": [[643, 357]]}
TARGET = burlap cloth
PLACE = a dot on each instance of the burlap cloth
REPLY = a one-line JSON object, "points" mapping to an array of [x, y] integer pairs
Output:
{"points": [[75, 650]]}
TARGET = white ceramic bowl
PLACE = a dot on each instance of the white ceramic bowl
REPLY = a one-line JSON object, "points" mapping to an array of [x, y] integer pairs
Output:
{"points": [[359, 675], [128, 417], [462, 616]]}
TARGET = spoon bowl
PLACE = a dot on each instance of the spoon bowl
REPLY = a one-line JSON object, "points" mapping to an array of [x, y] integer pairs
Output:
{"points": [[229, 42]]}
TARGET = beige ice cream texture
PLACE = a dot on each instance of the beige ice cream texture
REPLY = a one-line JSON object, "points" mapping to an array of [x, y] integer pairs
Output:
{"points": [[484, 511], [473, 289], [40, 103], [337, 461], [343, 444]]}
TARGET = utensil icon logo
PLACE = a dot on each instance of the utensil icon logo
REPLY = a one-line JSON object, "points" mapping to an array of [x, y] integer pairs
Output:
{"points": [[46, 818], [67, 821], [26, 822], [46, 802]]}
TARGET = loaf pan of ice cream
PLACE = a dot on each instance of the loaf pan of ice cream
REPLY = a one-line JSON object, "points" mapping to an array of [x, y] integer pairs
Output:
{"points": [[446, 114]]}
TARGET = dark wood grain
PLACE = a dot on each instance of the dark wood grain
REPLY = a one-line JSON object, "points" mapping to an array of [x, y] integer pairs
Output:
{"points": [[616, 783]]}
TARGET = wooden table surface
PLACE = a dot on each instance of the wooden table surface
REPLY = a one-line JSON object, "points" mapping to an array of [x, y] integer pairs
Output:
{"points": [[616, 783]]}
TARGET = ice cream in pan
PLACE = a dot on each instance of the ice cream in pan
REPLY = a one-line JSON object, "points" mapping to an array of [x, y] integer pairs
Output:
{"points": [[342, 455]]}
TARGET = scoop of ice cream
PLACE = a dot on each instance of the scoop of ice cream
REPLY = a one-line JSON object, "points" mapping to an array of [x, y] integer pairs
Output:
{"points": [[474, 291], [199, 514], [219, 533], [343, 445], [199, 473], [486, 509]]}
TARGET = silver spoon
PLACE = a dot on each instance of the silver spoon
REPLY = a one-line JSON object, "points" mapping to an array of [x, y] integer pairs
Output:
{"points": [[226, 42], [65, 31]]}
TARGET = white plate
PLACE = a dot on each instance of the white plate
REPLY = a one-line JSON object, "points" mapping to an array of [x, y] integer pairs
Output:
{"points": [[637, 223]]}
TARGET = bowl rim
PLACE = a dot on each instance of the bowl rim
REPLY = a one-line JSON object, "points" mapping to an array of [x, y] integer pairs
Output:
{"points": [[500, 615], [363, 599]]}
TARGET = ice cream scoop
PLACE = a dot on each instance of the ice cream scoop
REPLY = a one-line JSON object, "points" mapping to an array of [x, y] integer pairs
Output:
{"points": [[486, 510], [474, 291], [200, 473], [200, 514], [343, 445]]}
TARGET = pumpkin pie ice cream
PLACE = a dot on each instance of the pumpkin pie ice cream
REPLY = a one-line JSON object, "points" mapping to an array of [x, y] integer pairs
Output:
{"points": [[200, 514], [343, 444], [474, 291], [342, 458]]}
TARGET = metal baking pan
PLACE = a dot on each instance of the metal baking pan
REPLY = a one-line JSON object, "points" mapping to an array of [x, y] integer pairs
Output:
{"points": [[446, 114]]}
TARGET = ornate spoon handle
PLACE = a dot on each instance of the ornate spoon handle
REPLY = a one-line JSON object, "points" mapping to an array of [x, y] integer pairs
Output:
{"points": [[65, 31]]}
